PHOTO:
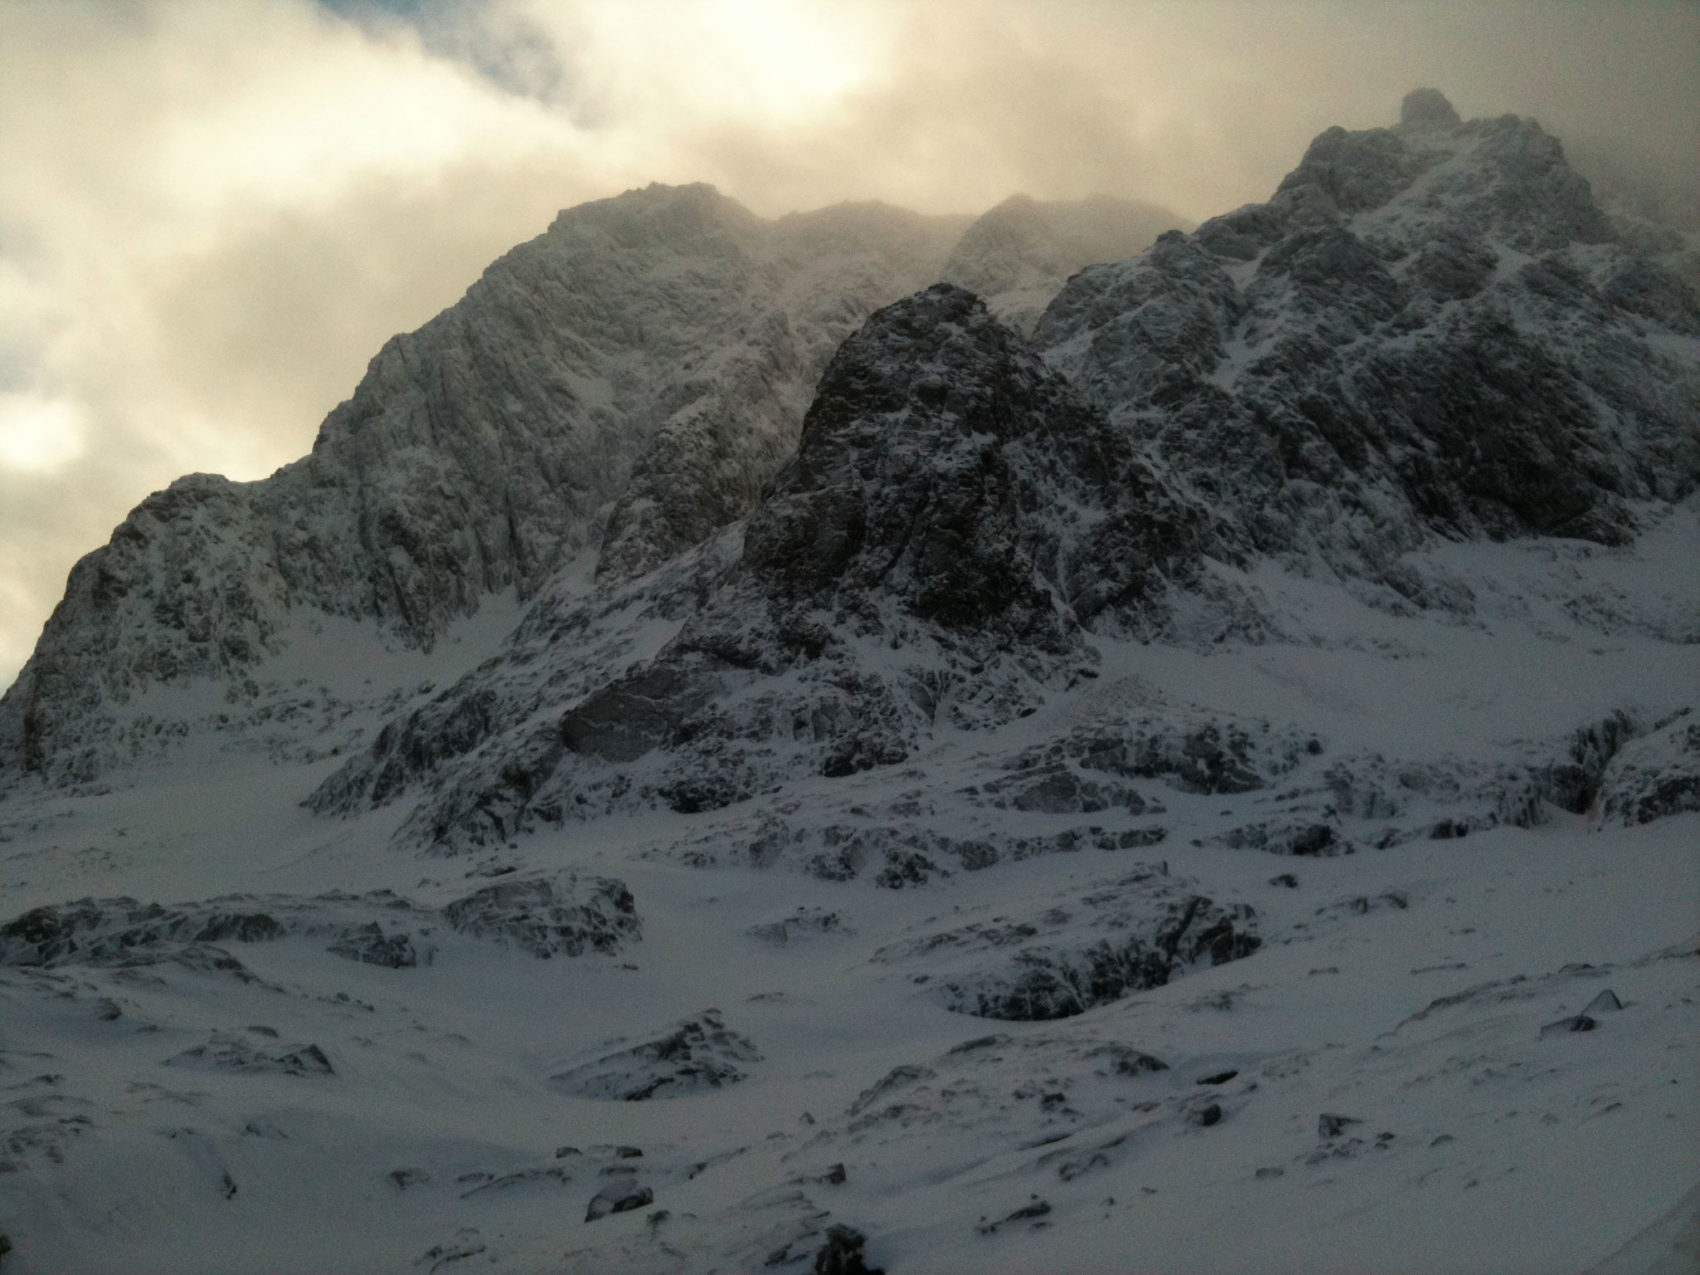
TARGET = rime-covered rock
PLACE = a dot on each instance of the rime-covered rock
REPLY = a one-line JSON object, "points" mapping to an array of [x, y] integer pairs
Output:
{"points": [[650, 354], [1429, 330], [954, 523], [617, 389], [1654, 776]]}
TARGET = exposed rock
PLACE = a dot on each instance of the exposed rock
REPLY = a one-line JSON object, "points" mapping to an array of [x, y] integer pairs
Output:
{"points": [[1137, 932], [1427, 107], [804, 923], [1017, 255], [1331, 1125], [1223, 755], [1654, 776], [126, 932], [699, 1053], [1029, 1212], [565, 914], [618, 1197], [841, 1254], [654, 351], [1056, 789], [1205, 1114], [1605, 1003], [1283, 837], [952, 519]]}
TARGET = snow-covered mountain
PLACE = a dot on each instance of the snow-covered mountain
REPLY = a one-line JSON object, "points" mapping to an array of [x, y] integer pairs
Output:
{"points": [[605, 397], [730, 755]]}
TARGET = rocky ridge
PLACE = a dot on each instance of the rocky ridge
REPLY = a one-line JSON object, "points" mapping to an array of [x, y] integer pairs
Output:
{"points": [[611, 392], [1429, 330], [954, 524]]}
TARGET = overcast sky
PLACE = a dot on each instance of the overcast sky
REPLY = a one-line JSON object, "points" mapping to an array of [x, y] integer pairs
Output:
{"points": [[213, 213]]}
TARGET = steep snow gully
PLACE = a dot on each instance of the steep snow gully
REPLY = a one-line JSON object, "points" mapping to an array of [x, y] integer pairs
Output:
{"points": [[1168, 750]]}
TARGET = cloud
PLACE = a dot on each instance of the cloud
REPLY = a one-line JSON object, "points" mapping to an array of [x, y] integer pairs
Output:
{"points": [[213, 212]]}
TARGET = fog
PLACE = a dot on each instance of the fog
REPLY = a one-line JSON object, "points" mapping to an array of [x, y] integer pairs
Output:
{"points": [[212, 214]]}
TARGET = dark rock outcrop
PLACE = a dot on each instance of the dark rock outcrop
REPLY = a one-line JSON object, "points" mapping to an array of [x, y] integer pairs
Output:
{"points": [[1137, 932], [699, 1053], [618, 1197], [1654, 776], [565, 915]]}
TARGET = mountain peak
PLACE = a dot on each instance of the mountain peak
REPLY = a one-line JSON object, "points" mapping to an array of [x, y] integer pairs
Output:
{"points": [[1427, 108]]}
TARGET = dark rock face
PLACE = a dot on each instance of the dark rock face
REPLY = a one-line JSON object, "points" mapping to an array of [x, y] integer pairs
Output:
{"points": [[116, 931], [565, 915], [699, 1053], [369, 945], [1196, 756], [940, 464], [1332, 1125], [651, 353]]}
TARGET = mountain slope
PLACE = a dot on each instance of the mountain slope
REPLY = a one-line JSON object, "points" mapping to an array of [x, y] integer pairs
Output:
{"points": [[481, 453], [612, 392], [1214, 793]]}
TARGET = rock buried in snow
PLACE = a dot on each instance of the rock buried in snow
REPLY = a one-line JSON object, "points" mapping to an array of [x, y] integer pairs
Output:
{"points": [[1575, 1023], [231, 1053], [618, 1197], [565, 914], [1605, 1003], [699, 1053], [369, 945], [805, 922], [1029, 1212]]}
